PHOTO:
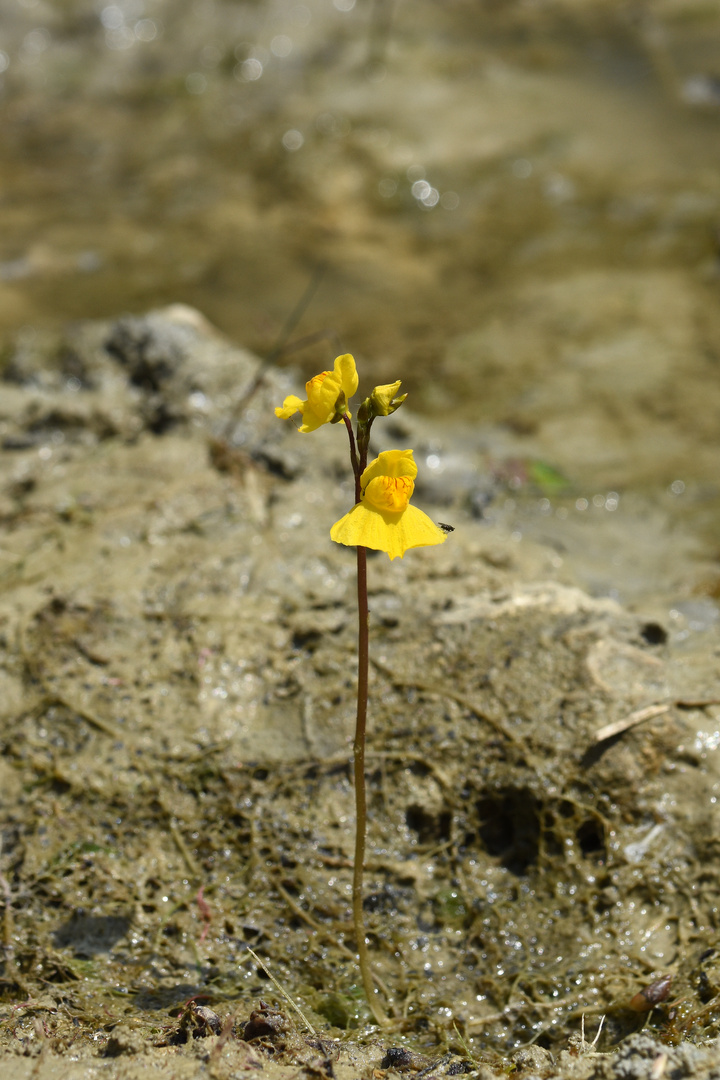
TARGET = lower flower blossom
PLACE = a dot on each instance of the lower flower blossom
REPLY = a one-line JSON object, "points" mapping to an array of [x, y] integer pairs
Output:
{"points": [[383, 519]]}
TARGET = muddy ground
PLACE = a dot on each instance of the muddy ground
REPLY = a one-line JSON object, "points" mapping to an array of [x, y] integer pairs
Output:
{"points": [[177, 677]]}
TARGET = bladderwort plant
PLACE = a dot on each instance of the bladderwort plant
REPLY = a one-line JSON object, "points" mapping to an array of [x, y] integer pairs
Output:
{"points": [[381, 519]]}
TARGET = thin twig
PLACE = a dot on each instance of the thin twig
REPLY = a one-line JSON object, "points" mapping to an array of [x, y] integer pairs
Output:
{"points": [[181, 846], [648, 713], [631, 721], [280, 990]]}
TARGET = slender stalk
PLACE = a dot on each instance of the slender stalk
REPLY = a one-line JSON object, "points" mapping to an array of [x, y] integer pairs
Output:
{"points": [[360, 798], [357, 470], [359, 461]]}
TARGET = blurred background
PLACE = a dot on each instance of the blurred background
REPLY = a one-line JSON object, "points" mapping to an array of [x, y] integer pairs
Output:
{"points": [[512, 205]]}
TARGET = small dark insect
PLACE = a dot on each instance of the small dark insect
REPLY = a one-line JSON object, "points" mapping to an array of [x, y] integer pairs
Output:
{"points": [[651, 995], [446, 528]]}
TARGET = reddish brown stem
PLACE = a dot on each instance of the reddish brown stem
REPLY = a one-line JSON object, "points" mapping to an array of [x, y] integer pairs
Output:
{"points": [[358, 462]]}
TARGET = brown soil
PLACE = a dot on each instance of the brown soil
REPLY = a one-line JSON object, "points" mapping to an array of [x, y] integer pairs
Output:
{"points": [[177, 675]]}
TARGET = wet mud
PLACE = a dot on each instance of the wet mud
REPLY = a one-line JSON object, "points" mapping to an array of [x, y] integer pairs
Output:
{"points": [[177, 676]]}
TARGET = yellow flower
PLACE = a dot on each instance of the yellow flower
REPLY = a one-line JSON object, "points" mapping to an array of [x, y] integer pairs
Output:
{"points": [[327, 396], [383, 519]]}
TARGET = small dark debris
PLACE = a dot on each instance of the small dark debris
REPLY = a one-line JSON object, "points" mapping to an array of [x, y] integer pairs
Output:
{"points": [[404, 1061], [397, 1057], [210, 1019], [195, 1022], [653, 633], [18, 442], [306, 639], [651, 995], [265, 1023]]}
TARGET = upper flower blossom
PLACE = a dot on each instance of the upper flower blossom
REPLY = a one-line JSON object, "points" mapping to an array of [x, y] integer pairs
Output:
{"points": [[327, 396], [383, 519]]}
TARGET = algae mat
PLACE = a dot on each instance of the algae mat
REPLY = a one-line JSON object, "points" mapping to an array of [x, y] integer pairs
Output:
{"points": [[177, 681]]}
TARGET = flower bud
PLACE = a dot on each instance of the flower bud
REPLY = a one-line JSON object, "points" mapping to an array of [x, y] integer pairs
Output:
{"points": [[340, 408], [383, 400]]}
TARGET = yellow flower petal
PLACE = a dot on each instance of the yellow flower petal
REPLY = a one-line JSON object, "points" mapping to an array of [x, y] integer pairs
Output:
{"points": [[327, 396], [289, 407], [390, 463], [381, 531], [323, 391], [391, 493], [346, 374]]}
